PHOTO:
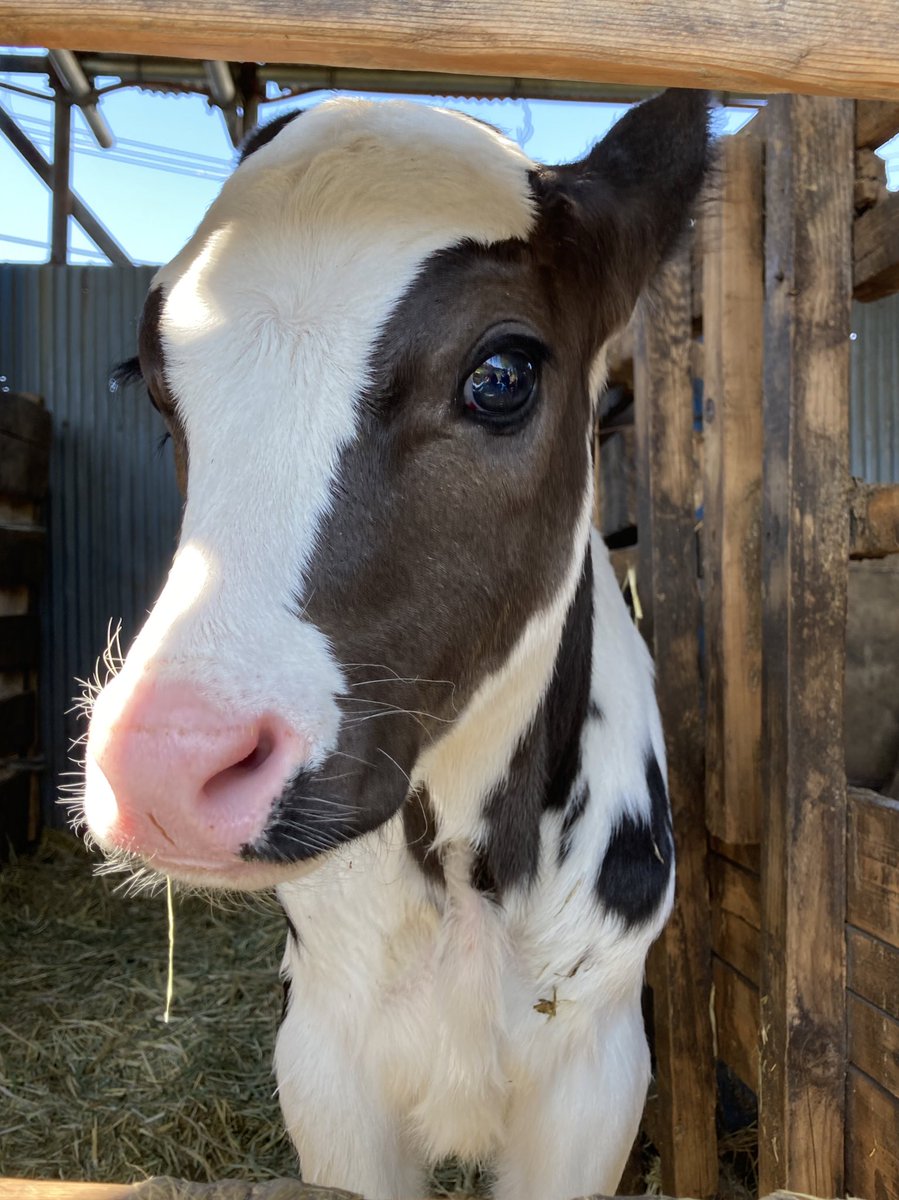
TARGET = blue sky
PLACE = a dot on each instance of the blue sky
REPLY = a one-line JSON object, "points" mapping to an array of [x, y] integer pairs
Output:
{"points": [[172, 154]]}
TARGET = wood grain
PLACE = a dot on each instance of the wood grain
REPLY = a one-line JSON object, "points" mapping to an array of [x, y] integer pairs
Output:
{"points": [[680, 967], [823, 46], [805, 569], [736, 916], [737, 1022], [876, 250], [873, 897], [874, 1043], [874, 519], [872, 1141], [875, 123], [733, 301], [874, 970]]}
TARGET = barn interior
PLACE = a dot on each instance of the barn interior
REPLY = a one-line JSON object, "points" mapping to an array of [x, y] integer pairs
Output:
{"points": [[88, 518]]}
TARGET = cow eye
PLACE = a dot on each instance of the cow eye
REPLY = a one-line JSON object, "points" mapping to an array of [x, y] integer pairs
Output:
{"points": [[502, 388]]}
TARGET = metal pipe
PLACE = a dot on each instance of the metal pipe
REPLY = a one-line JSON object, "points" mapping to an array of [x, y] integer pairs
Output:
{"points": [[72, 77], [88, 221], [305, 78], [59, 223], [220, 81]]}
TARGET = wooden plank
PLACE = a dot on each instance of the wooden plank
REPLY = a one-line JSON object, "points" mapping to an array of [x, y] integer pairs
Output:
{"points": [[18, 642], [808, 189], [681, 965], [873, 970], [873, 853], [737, 1022], [748, 856], [17, 728], [24, 446], [875, 123], [873, 519], [39, 1189], [736, 916], [872, 1139], [21, 554], [818, 46], [874, 1042], [876, 250], [733, 300]]}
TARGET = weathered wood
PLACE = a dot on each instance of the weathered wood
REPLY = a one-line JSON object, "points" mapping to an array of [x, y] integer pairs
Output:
{"points": [[736, 916], [873, 519], [21, 554], [800, 45], [733, 301], [870, 181], [874, 970], [874, 1042], [24, 446], [805, 568], [876, 250], [680, 967], [747, 856], [873, 864], [872, 1139], [18, 642], [875, 123], [737, 1022], [17, 723]]}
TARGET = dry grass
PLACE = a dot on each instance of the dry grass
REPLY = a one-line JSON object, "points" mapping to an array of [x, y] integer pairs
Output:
{"points": [[93, 1084]]}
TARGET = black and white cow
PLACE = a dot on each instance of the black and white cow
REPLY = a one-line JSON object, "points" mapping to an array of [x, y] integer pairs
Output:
{"points": [[391, 672]]}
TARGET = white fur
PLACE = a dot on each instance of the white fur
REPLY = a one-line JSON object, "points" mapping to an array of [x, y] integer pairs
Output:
{"points": [[271, 311]]}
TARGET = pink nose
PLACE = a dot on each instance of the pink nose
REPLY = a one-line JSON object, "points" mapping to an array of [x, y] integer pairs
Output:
{"points": [[178, 780]]}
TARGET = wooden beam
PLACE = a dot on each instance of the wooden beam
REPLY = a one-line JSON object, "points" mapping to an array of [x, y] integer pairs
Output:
{"points": [[822, 46], [876, 250], [875, 123], [737, 1022], [874, 519], [680, 966], [872, 1158], [873, 855], [733, 304], [808, 191]]}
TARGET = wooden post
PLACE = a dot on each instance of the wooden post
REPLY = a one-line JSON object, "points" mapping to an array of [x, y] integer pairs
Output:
{"points": [[680, 969], [733, 302], [808, 277]]}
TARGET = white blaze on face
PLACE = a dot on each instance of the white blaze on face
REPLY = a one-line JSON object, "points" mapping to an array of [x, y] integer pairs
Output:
{"points": [[270, 315]]}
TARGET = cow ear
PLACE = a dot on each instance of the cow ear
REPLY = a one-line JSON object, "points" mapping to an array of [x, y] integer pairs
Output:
{"points": [[632, 196]]}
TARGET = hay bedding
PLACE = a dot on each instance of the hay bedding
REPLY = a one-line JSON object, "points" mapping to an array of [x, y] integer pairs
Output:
{"points": [[93, 1084]]}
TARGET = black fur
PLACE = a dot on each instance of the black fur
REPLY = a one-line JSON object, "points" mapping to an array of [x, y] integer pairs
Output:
{"points": [[263, 134], [637, 866], [420, 830], [573, 813]]}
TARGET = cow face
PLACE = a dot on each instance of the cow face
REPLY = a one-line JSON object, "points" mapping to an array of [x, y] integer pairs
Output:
{"points": [[377, 357]]}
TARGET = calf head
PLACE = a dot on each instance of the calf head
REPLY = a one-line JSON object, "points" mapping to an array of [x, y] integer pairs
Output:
{"points": [[378, 358]]}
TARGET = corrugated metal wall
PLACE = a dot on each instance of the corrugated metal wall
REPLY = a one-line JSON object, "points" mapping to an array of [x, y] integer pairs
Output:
{"points": [[875, 391], [113, 510], [113, 506]]}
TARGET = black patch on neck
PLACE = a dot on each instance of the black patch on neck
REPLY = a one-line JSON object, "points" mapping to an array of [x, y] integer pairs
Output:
{"points": [[634, 874], [420, 827], [545, 764], [567, 701]]}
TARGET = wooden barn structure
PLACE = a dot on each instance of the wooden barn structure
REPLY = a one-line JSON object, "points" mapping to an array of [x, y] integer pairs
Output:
{"points": [[782, 958]]}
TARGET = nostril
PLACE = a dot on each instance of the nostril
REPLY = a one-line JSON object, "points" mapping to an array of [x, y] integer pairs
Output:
{"points": [[224, 781]]}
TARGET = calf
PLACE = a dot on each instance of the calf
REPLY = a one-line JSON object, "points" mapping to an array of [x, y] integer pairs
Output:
{"points": [[391, 673]]}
